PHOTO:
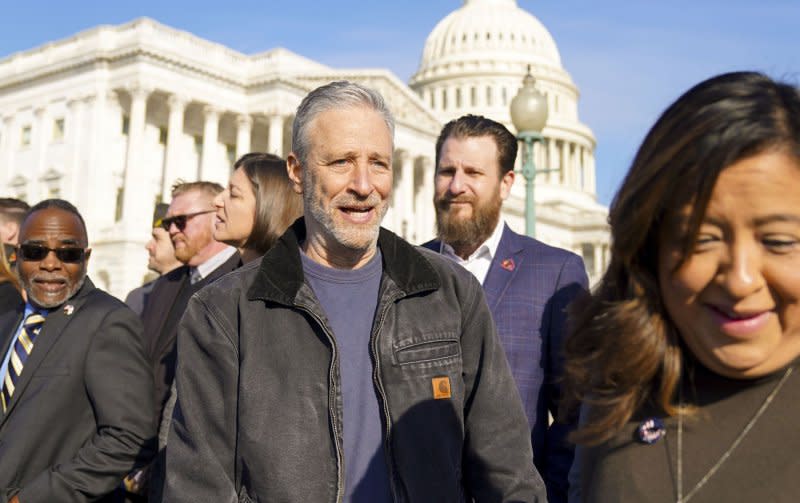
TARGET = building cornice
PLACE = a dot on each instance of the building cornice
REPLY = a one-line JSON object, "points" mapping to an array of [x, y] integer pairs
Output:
{"points": [[146, 39]]}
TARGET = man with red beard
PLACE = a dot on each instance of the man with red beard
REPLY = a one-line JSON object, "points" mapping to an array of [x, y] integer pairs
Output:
{"points": [[76, 404], [527, 283], [190, 223]]}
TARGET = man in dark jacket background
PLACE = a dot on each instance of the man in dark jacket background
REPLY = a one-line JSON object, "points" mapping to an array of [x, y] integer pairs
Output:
{"points": [[348, 365]]}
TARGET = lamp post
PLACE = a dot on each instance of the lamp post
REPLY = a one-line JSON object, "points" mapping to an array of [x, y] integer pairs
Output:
{"points": [[529, 116]]}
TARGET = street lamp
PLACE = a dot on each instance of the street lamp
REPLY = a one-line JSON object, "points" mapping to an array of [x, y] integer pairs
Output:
{"points": [[529, 116]]}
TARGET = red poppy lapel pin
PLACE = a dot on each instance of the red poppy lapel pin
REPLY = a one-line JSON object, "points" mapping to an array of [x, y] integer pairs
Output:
{"points": [[508, 264]]}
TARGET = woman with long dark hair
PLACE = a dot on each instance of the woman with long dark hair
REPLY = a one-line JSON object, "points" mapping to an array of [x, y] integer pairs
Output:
{"points": [[685, 357], [258, 205]]}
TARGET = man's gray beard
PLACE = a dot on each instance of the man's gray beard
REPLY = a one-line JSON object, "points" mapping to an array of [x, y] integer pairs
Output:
{"points": [[31, 298], [464, 234], [357, 240]]}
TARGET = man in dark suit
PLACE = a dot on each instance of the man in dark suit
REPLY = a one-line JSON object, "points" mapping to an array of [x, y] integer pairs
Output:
{"points": [[527, 283], [77, 392], [190, 224]]}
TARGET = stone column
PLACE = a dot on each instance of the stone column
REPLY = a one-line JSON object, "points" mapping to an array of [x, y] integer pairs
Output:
{"points": [[552, 159], [119, 255], [598, 260], [569, 178], [39, 142], [540, 158], [137, 202], [103, 123], [573, 178], [74, 141], [566, 164], [175, 136], [591, 174], [244, 130], [405, 193], [275, 139], [424, 212], [6, 151], [209, 169]]}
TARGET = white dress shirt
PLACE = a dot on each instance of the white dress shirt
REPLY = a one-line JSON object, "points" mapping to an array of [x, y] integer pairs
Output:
{"points": [[198, 273], [481, 259]]}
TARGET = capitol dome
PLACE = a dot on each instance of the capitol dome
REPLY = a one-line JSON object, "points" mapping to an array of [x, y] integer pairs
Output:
{"points": [[482, 28], [473, 62], [475, 58]]}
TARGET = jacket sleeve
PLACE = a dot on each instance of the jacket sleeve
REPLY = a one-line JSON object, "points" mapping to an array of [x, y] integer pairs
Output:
{"points": [[498, 460], [119, 383], [572, 282], [201, 451]]}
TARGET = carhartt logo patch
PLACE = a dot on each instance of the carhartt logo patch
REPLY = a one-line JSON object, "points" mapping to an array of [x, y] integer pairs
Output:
{"points": [[441, 387]]}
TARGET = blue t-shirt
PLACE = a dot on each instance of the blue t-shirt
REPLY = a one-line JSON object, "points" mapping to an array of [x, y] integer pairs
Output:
{"points": [[349, 299]]}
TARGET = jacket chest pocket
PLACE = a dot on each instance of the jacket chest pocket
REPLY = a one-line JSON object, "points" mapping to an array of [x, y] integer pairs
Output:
{"points": [[427, 349]]}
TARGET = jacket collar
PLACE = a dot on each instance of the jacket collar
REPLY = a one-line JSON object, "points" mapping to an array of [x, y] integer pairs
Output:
{"points": [[280, 274]]}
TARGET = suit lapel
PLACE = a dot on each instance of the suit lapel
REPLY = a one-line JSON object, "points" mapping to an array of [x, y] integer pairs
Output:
{"points": [[54, 326], [505, 265], [9, 321]]}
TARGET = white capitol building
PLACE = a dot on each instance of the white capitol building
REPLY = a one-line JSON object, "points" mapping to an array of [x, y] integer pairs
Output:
{"points": [[109, 118]]}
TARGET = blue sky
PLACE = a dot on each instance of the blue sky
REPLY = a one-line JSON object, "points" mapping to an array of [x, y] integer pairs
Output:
{"points": [[629, 59]]}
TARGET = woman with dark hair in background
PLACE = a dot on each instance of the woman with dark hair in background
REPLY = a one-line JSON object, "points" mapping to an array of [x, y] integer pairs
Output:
{"points": [[10, 291], [257, 206], [685, 357]]}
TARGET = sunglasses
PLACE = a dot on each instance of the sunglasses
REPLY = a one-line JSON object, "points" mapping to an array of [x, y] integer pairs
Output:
{"points": [[180, 220], [39, 252]]}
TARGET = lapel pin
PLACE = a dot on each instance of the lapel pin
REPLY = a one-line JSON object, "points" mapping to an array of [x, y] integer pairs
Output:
{"points": [[650, 430], [508, 264], [69, 309]]}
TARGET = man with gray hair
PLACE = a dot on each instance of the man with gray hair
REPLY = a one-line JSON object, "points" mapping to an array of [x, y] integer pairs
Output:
{"points": [[347, 365]]}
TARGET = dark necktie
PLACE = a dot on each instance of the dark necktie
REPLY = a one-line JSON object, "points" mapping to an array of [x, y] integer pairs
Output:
{"points": [[19, 355]]}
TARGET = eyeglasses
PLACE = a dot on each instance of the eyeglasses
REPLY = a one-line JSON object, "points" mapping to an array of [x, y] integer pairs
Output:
{"points": [[180, 220], [39, 252]]}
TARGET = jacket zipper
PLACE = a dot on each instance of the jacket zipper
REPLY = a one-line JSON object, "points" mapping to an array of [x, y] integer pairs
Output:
{"points": [[331, 402], [381, 392]]}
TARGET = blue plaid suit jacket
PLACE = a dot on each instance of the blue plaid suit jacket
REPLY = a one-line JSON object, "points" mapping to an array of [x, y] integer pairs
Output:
{"points": [[528, 287]]}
